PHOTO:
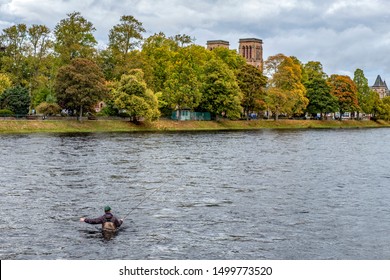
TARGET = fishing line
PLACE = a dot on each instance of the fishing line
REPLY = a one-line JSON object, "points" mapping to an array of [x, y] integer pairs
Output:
{"points": [[131, 211]]}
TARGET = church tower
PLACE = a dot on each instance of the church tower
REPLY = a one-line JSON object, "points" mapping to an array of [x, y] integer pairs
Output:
{"points": [[380, 87], [217, 44], [252, 50]]}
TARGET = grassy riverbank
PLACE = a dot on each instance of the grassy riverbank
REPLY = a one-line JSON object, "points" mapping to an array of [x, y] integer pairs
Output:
{"points": [[67, 126]]}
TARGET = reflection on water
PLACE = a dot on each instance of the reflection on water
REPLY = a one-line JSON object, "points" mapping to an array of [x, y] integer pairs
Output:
{"points": [[293, 194]]}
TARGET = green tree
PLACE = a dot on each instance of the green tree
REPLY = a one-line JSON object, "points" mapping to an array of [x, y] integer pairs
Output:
{"points": [[183, 39], [364, 94], [126, 35], [221, 93], [346, 92], [384, 108], [16, 99], [182, 87], [252, 83], [74, 38], [317, 89], [13, 61], [320, 99], [158, 52], [234, 61], [132, 96], [40, 57], [80, 85]]}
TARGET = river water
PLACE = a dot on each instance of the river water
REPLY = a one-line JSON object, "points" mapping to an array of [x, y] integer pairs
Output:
{"points": [[267, 194]]}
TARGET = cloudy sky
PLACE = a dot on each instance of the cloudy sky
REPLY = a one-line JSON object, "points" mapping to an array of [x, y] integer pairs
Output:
{"points": [[343, 35]]}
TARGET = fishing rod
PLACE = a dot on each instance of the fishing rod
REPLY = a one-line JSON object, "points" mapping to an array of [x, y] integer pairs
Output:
{"points": [[145, 198]]}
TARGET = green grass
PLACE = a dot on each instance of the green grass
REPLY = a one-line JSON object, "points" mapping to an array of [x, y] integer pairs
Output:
{"points": [[72, 126]]}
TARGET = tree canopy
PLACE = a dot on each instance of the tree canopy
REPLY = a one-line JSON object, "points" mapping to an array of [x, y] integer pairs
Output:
{"points": [[80, 85], [176, 72]]}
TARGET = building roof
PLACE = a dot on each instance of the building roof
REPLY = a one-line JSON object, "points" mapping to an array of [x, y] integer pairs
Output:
{"points": [[379, 82], [251, 40], [217, 42]]}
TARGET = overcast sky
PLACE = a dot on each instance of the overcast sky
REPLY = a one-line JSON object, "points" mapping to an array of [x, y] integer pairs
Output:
{"points": [[342, 35]]}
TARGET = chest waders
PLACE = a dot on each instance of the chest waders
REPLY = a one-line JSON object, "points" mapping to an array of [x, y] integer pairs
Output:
{"points": [[108, 225]]}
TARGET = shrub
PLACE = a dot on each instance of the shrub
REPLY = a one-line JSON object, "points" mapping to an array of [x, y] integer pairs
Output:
{"points": [[48, 109], [6, 113]]}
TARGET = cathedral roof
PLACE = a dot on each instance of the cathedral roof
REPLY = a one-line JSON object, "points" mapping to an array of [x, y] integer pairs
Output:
{"points": [[379, 82]]}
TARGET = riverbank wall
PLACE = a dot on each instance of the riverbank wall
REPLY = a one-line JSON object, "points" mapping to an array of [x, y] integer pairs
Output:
{"points": [[85, 126]]}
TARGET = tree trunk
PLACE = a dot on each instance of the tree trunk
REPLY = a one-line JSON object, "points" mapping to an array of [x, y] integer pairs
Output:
{"points": [[81, 113]]}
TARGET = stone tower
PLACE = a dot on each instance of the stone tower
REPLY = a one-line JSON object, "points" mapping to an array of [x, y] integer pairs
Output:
{"points": [[217, 44], [252, 50], [380, 87]]}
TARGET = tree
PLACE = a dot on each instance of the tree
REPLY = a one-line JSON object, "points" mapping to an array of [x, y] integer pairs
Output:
{"points": [[132, 96], [320, 99], [80, 85], [221, 93], [14, 39], [125, 36], [48, 109], [346, 92], [5, 82], [252, 83], [39, 55], [234, 61], [364, 94], [182, 87], [285, 81], [74, 38], [158, 51], [317, 89], [16, 99], [183, 39], [384, 108]]}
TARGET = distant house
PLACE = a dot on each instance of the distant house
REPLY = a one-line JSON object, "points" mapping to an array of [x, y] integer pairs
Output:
{"points": [[99, 106], [380, 87]]}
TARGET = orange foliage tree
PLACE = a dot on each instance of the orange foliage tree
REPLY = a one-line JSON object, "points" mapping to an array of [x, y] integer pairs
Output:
{"points": [[346, 92]]}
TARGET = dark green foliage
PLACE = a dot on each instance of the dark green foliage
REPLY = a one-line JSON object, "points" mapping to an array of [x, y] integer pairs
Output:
{"points": [[6, 113], [16, 99]]}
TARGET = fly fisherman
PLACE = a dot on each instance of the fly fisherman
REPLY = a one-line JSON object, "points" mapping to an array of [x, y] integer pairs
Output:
{"points": [[109, 222]]}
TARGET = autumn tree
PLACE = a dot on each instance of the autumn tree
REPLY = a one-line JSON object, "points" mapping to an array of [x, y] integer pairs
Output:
{"points": [[74, 38], [5, 82], [286, 93], [80, 85], [346, 92], [132, 96], [252, 84]]}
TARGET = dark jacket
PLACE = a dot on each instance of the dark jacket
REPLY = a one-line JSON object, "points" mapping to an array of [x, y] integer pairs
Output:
{"points": [[108, 217]]}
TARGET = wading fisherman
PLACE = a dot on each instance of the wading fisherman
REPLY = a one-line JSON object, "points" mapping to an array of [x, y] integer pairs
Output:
{"points": [[109, 222]]}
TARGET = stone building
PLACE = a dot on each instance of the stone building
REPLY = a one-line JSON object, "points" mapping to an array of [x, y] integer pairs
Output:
{"points": [[250, 48], [380, 87], [217, 44]]}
